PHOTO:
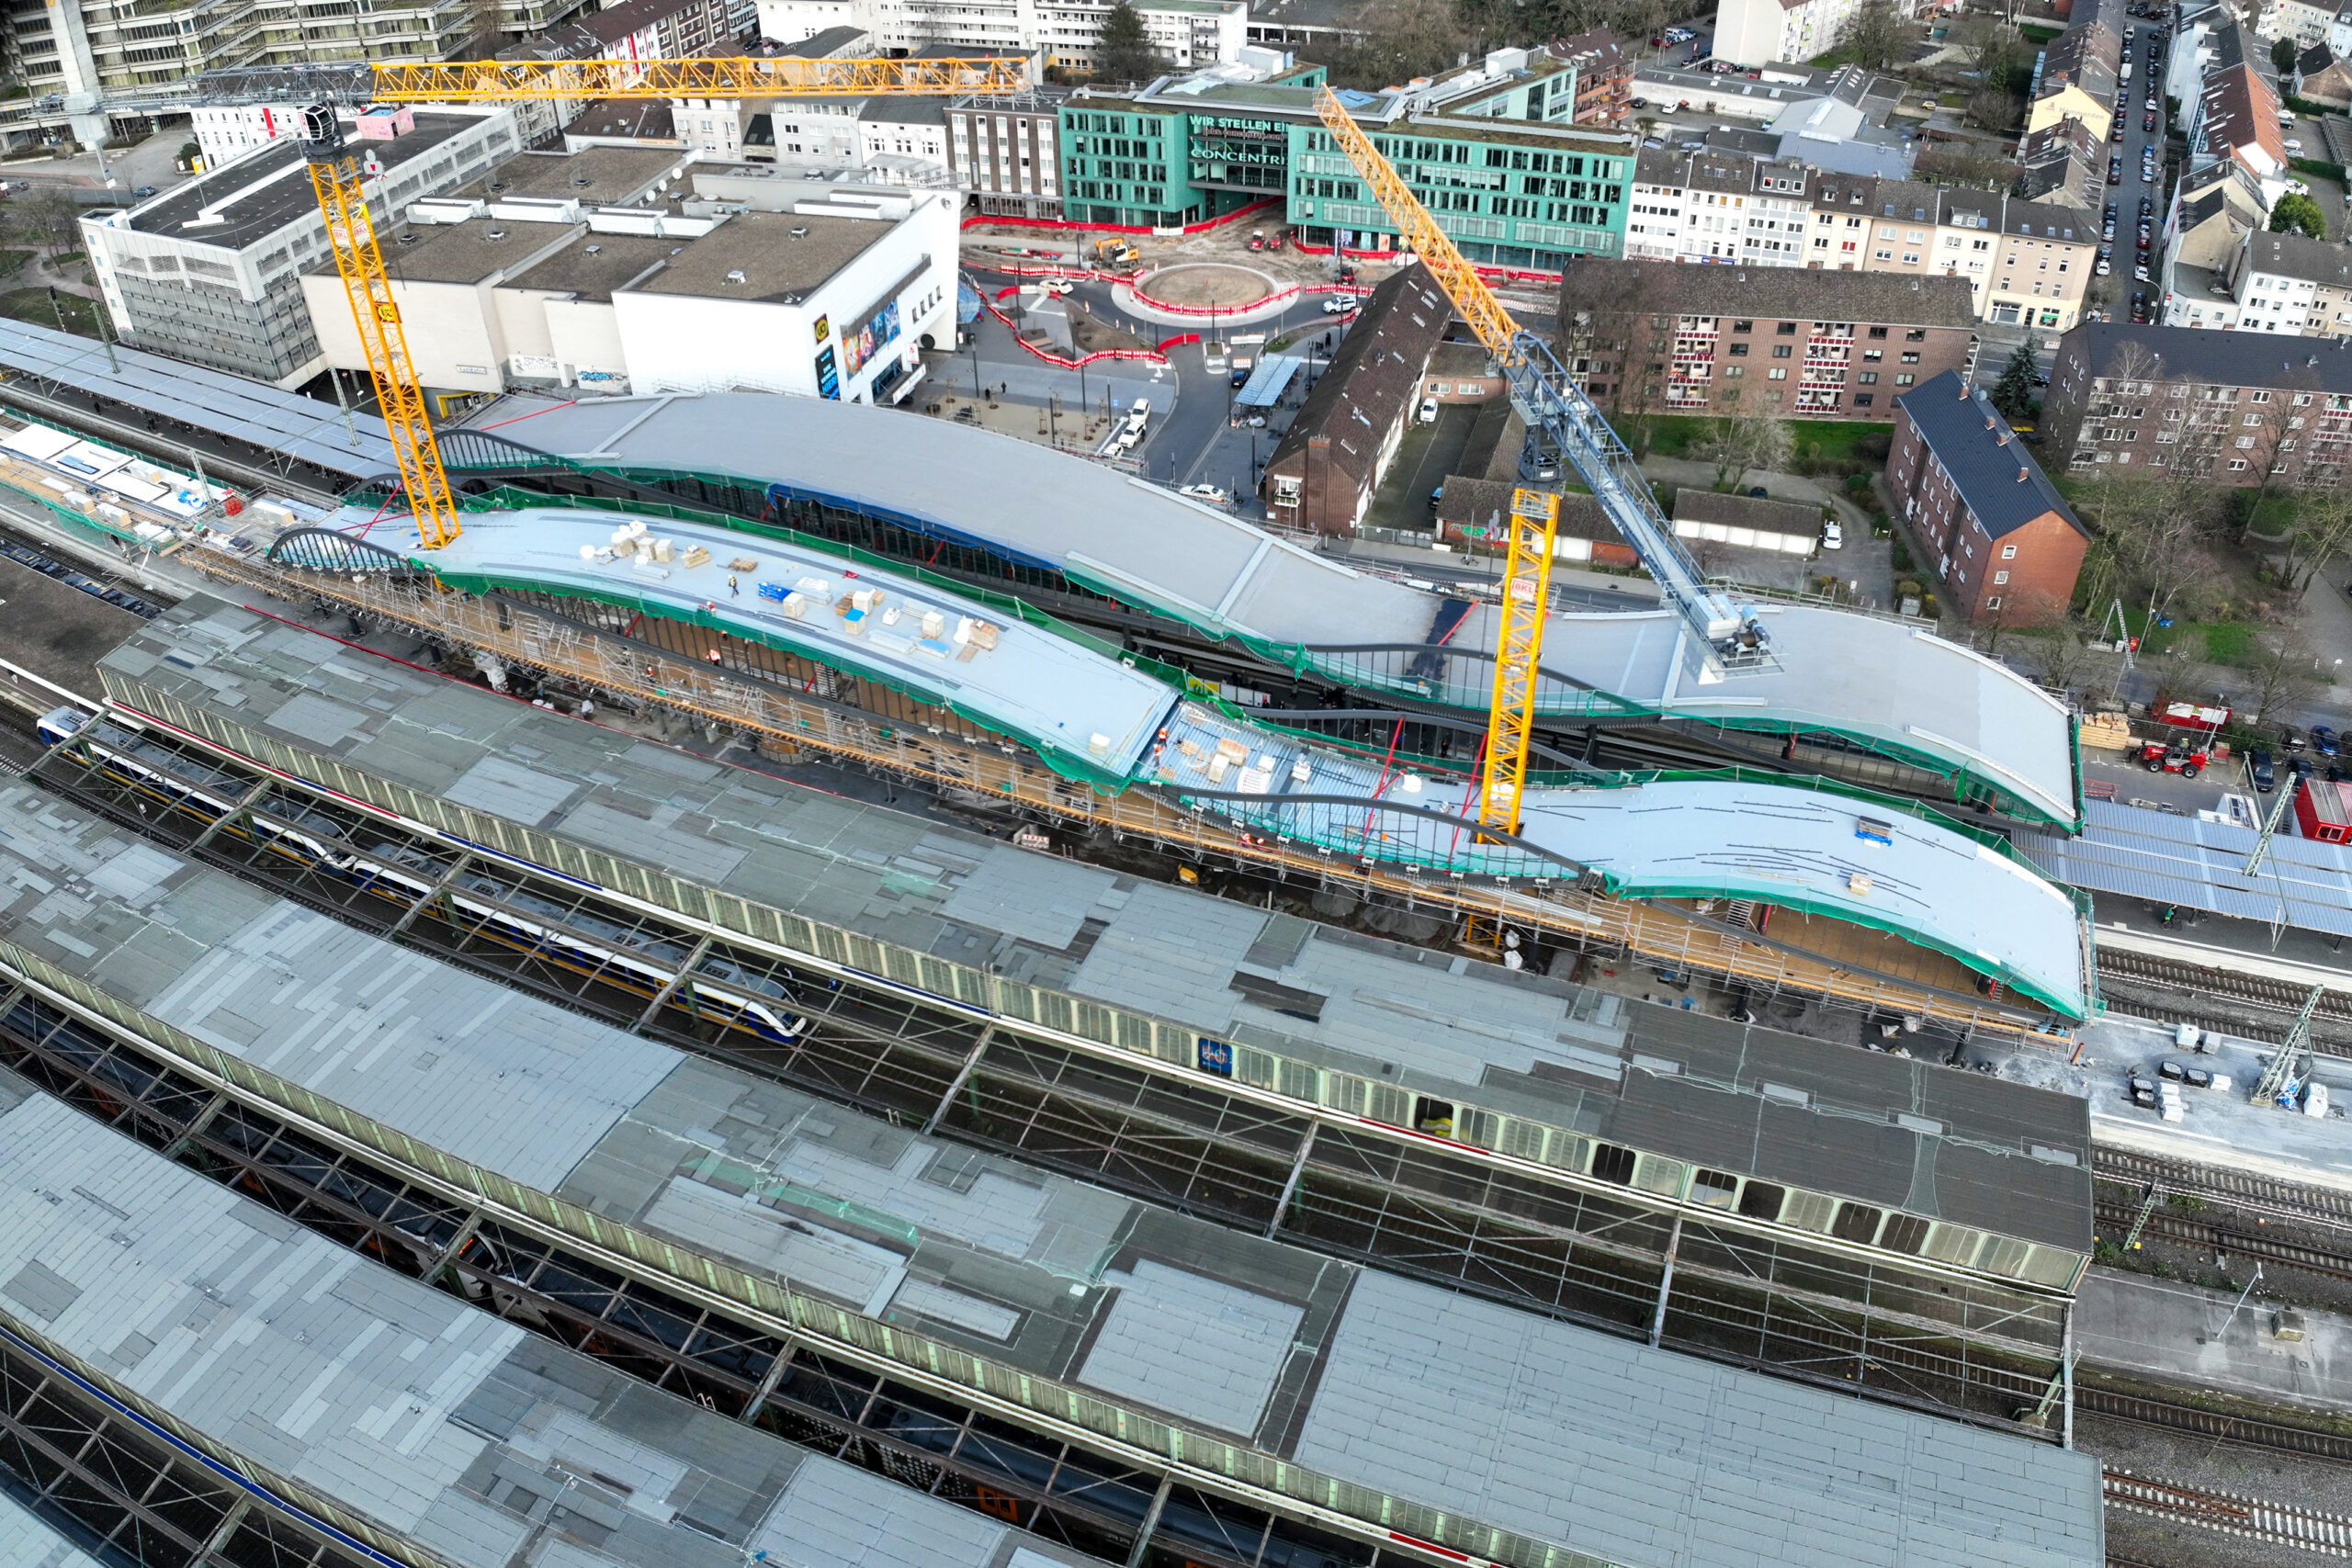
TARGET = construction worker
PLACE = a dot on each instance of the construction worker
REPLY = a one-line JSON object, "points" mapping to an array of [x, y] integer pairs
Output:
{"points": [[733, 588]]}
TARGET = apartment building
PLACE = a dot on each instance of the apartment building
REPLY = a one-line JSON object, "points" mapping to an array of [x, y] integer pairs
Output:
{"points": [[1643, 338], [672, 30], [2291, 286], [1187, 33], [2003, 543], [2300, 20], [1601, 89], [1719, 207], [1006, 152], [1332, 459], [210, 271], [2323, 76], [2234, 406], [1758, 33], [2079, 78], [2064, 165], [2237, 121]]}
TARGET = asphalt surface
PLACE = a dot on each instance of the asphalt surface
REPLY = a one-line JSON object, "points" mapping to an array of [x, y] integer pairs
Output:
{"points": [[55, 630]]}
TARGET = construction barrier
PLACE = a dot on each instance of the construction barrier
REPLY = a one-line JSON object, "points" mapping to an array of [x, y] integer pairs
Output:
{"points": [[1068, 226]]}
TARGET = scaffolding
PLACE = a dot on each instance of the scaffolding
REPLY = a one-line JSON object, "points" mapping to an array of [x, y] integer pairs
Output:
{"points": [[992, 773]]}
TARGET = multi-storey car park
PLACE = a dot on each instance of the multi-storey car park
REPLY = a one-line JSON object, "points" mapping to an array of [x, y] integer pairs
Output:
{"points": [[1341, 1407]]}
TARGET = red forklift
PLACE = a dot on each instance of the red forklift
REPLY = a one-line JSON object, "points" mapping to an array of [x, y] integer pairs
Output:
{"points": [[2183, 756]]}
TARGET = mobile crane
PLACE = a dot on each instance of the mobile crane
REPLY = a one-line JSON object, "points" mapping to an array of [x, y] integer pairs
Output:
{"points": [[338, 173], [1728, 637]]}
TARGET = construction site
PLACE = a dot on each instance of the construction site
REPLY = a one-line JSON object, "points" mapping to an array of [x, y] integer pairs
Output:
{"points": [[703, 979]]}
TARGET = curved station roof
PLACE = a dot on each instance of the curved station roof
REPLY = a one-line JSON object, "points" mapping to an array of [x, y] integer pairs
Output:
{"points": [[1093, 716], [1896, 689]]}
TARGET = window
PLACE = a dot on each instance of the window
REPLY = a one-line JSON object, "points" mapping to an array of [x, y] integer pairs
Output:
{"points": [[2252, 420], [1878, 331], [2237, 465], [2258, 397], [1742, 326], [1732, 371], [2244, 443], [1610, 1162], [1884, 255], [1873, 355], [1782, 350], [1864, 399], [1761, 1201], [1857, 1222], [1917, 335], [1866, 378], [1904, 380], [1994, 602], [2000, 577], [2009, 552], [1910, 358], [1739, 351], [1776, 374], [1786, 329]]}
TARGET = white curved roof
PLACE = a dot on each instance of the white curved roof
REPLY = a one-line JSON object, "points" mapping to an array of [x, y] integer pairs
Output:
{"points": [[1883, 683]]}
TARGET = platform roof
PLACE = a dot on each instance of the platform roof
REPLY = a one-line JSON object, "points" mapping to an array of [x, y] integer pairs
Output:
{"points": [[1513, 1040], [429, 1418], [1052, 693], [251, 411], [27, 1540], [1092, 714], [1887, 684], [1049, 1275], [2134, 852]]}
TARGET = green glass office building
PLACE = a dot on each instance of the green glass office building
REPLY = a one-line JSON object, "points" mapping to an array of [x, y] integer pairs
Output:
{"points": [[1511, 185]]}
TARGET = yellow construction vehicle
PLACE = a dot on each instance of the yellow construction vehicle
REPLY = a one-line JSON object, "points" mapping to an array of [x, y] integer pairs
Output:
{"points": [[1560, 422], [337, 173], [1116, 253]]}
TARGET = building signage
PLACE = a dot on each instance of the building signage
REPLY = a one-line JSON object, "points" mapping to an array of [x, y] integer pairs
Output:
{"points": [[828, 384], [859, 346]]}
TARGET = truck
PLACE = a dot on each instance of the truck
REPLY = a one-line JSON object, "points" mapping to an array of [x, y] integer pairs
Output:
{"points": [[2181, 713], [2125, 75]]}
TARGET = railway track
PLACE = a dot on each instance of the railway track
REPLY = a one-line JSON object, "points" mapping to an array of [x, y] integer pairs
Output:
{"points": [[2117, 1218], [2253, 1519], [2272, 993], [2254, 1194], [2213, 1423]]}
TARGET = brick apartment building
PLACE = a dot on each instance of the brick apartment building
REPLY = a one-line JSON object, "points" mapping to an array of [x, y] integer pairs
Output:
{"points": [[1334, 453], [2004, 544], [2231, 405], [1604, 89], [1647, 338]]}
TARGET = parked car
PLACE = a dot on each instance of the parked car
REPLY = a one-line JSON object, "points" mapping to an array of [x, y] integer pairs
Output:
{"points": [[2258, 764], [2292, 144], [143, 192], [1428, 410], [1833, 535], [2323, 740]]}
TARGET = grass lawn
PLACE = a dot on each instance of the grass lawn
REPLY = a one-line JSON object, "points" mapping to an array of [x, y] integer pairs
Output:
{"points": [[12, 258], [32, 305], [1826, 440]]}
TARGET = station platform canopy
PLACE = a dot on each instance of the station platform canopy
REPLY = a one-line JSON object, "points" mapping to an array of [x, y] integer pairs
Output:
{"points": [[2134, 852], [1890, 687], [1267, 383]]}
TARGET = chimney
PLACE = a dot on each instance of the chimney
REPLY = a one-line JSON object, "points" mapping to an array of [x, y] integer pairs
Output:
{"points": [[2022, 476]]}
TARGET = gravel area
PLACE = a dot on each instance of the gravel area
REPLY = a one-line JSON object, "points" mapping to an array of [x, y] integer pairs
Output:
{"points": [[2199, 1461]]}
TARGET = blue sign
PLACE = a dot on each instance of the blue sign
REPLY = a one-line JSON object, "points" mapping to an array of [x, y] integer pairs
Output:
{"points": [[828, 384], [1217, 1056]]}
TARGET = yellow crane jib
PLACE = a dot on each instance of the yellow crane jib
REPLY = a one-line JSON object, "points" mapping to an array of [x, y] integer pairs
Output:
{"points": [[338, 177], [747, 76], [1527, 584]]}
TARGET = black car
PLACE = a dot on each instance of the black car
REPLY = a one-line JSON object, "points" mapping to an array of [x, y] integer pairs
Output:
{"points": [[2258, 762], [2290, 739]]}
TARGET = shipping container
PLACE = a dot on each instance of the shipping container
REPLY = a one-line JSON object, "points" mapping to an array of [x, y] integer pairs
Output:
{"points": [[2324, 811]]}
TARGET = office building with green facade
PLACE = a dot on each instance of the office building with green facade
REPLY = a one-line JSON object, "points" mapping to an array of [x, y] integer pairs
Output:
{"points": [[1489, 150]]}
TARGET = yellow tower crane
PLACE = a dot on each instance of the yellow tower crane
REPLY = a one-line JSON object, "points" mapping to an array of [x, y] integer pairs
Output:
{"points": [[1729, 638], [338, 174]]}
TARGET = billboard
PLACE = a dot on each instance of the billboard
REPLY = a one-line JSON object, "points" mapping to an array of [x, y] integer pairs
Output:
{"points": [[860, 344]]}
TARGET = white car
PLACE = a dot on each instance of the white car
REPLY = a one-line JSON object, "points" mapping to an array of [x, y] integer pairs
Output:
{"points": [[2296, 187], [1060, 286], [2292, 146], [1428, 410], [1833, 534], [2103, 269], [1209, 493], [1338, 307]]}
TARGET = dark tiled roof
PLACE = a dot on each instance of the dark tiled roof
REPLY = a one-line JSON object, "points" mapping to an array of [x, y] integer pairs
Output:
{"points": [[1780, 293], [2299, 256], [1997, 476], [1375, 374], [2202, 355], [1747, 511]]}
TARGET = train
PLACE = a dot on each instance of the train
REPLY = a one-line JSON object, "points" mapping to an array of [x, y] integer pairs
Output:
{"points": [[719, 990]]}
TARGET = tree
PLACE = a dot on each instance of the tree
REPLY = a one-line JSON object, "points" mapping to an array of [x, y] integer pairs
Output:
{"points": [[1878, 36], [1962, 163], [1392, 41], [2298, 213], [51, 217], [2285, 674], [1755, 442], [2322, 533], [1124, 52], [2013, 393], [2282, 54]]}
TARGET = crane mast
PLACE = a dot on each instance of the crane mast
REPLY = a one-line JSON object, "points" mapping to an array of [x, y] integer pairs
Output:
{"points": [[1728, 638], [339, 175]]}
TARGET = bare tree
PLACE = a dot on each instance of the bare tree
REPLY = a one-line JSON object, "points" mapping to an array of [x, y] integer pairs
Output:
{"points": [[2322, 533], [2062, 657], [1877, 36], [2284, 675], [1622, 321]]}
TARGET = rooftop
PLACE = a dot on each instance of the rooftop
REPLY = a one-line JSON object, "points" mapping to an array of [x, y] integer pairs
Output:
{"points": [[2300, 256], [594, 177], [1350, 1003], [1374, 376], [771, 258], [1866, 678], [904, 108], [637, 119], [435, 1421], [2205, 355], [1992, 471], [472, 252], [1747, 512], [617, 21], [828, 44], [595, 266], [1780, 293], [252, 197], [1572, 1437]]}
